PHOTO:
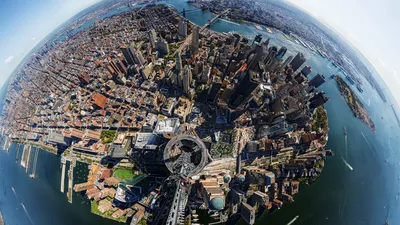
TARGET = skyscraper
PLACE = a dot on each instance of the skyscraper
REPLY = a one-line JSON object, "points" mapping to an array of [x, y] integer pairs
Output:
{"points": [[306, 70], [138, 57], [153, 38], [195, 38], [282, 51], [182, 28], [317, 81], [127, 54], [297, 61], [286, 62], [243, 92], [115, 67], [178, 62], [187, 78], [272, 53], [318, 100], [162, 46]]}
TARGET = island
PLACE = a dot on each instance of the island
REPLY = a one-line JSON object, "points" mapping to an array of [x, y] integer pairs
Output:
{"points": [[354, 103], [176, 122]]}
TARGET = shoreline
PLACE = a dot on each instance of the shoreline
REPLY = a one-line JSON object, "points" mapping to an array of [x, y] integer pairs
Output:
{"points": [[354, 103]]}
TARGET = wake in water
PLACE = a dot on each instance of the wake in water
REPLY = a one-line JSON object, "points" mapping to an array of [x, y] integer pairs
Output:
{"points": [[293, 220], [14, 192], [347, 164], [370, 147], [229, 22], [27, 214]]}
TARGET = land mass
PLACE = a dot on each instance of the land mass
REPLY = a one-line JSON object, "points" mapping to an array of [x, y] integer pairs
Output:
{"points": [[354, 103]]}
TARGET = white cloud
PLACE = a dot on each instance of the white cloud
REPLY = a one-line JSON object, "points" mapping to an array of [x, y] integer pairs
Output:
{"points": [[354, 37], [395, 76], [383, 63], [33, 38], [9, 59]]}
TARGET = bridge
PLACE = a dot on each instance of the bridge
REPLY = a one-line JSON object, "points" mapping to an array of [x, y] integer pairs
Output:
{"points": [[184, 11], [188, 39]]}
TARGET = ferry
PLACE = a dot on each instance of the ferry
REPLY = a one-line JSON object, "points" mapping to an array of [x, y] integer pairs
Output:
{"points": [[268, 30], [345, 131], [293, 220], [258, 27], [359, 88]]}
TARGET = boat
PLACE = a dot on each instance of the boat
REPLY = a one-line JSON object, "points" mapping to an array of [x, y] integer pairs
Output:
{"points": [[345, 131], [293, 220], [359, 88]]}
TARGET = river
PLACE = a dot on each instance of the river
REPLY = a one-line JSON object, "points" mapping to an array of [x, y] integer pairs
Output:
{"points": [[364, 195]]}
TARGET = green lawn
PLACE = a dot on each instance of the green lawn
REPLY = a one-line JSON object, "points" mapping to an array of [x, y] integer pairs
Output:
{"points": [[107, 136], [124, 174]]}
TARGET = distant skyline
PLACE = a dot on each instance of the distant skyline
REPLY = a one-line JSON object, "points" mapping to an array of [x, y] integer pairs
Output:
{"points": [[369, 25], [24, 23]]}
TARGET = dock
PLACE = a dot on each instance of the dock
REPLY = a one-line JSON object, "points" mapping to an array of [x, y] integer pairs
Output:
{"points": [[63, 162], [16, 156], [25, 156], [33, 174], [29, 158], [71, 179]]}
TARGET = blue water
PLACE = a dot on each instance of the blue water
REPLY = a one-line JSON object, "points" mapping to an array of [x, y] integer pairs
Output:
{"points": [[365, 195]]}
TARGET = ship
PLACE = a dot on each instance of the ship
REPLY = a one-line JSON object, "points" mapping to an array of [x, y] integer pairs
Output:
{"points": [[345, 131], [359, 88], [293, 220]]}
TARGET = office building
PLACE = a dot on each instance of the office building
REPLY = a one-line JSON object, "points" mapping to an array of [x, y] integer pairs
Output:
{"points": [[248, 213], [286, 62], [182, 28], [318, 100], [317, 81], [282, 51], [195, 39], [137, 57], [306, 70], [153, 38], [298, 60], [162, 46], [178, 62], [187, 78], [127, 54], [243, 92]]}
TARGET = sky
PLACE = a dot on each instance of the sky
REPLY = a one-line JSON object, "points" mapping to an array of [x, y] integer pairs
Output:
{"points": [[372, 26], [24, 23]]}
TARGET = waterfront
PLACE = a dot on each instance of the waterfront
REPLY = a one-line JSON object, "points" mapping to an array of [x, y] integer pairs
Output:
{"points": [[340, 196], [24, 200]]}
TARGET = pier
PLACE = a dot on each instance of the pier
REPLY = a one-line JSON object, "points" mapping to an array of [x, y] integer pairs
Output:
{"points": [[33, 174], [18, 148], [71, 179], [28, 159], [25, 156], [63, 162]]}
